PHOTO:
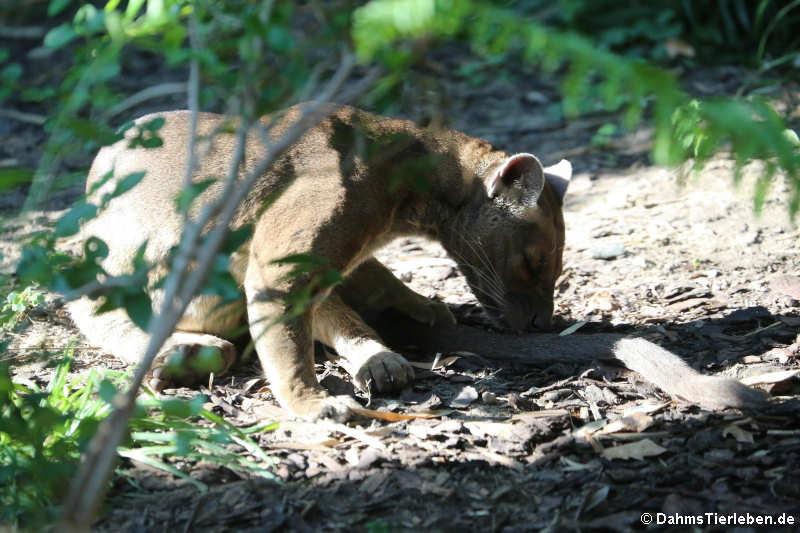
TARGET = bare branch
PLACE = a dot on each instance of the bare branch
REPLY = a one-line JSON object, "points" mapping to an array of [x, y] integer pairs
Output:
{"points": [[28, 118], [182, 284], [192, 100], [156, 91], [22, 32]]}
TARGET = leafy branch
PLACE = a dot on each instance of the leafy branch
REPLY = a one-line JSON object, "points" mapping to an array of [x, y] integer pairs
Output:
{"points": [[684, 128]]}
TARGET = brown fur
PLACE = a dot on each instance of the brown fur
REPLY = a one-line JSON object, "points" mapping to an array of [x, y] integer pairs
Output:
{"points": [[349, 185]]}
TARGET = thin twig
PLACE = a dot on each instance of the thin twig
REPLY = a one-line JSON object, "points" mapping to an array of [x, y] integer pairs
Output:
{"points": [[28, 118], [156, 91], [22, 32], [193, 101]]}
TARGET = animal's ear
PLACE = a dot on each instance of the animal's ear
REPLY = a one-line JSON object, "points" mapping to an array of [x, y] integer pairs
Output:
{"points": [[519, 177], [558, 177]]}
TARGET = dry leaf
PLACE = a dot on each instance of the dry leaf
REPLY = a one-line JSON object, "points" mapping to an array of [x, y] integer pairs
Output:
{"points": [[635, 422], [429, 365], [573, 328], [382, 431], [495, 458], [603, 301], [421, 432], [770, 377], [645, 408], [490, 429], [352, 456], [741, 435], [398, 417], [571, 465], [250, 384], [465, 396], [634, 450], [542, 413], [596, 497], [292, 445], [354, 433]]}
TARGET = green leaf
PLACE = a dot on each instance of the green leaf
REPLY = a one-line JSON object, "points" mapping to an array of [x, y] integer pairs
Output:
{"points": [[14, 176], [59, 36], [139, 308], [89, 20], [280, 39], [11, 73], [209, 359], [236, 238], [330, 278], [127, 183], [301, 259], [185, 198], [154, 125], [223, 285], [107, 391], [57, 6], [38, 94], [791, 137], [95, 248], [176, 408], [102, 181], [70, 222], [133, 8], [93, 131]]}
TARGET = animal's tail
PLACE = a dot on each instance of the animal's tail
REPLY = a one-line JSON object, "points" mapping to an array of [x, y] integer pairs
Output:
{"points": [[672, 375], [655, 364]]}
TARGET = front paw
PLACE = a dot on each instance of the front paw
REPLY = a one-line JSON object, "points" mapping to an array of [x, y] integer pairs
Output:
{"points": [[383, 372], [428, 311]]}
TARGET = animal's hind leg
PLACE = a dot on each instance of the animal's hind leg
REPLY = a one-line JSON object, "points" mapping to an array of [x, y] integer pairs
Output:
{"points": [[186, 358]]}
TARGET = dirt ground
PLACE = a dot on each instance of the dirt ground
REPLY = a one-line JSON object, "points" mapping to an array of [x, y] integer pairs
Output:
{"points": [[508, 447]]}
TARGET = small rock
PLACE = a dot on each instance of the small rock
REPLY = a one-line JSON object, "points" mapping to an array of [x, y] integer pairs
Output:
{"points": [[489, 398], [607, 251], [536, 97], [465, 396], [297, 460], [787, 285], [368, 458]]}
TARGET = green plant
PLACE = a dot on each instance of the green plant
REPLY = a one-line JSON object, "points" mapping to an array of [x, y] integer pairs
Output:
{"points": [[604, 134], [44, 431], [760, 33], [17, 304]]}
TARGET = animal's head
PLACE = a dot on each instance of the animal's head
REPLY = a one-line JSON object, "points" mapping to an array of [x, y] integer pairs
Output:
{"points": [[511, 248]]}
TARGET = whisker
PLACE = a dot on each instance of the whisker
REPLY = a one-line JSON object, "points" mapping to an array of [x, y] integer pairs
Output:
{"points": [[490, 275], [492, 284], [490, 290]]}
